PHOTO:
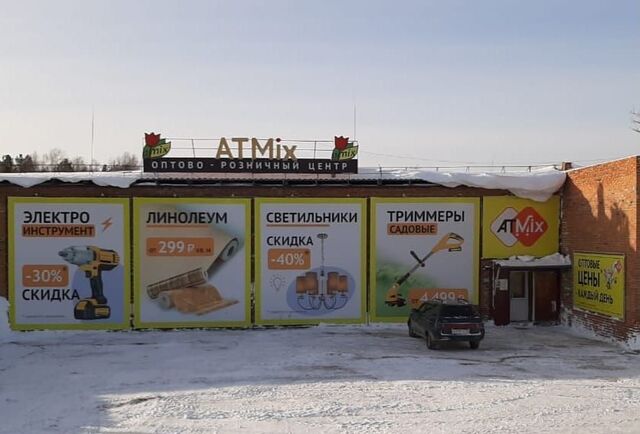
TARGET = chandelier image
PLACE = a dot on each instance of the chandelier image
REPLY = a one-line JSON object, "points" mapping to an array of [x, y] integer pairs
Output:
{"points": [[329, 290]]}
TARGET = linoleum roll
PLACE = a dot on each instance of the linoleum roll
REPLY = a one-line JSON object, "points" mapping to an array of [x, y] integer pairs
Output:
{"points": [[225, 246], [184, 280], [155, 270], [166, 299]]}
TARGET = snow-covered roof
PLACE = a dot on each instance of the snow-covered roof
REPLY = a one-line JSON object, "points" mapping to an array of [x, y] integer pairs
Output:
{"points": [[103, 179], [537, 184], [555, 260]]}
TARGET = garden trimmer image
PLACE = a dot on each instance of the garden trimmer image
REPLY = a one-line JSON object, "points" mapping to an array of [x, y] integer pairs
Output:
{"points": [[451, 242], [93, 261]]}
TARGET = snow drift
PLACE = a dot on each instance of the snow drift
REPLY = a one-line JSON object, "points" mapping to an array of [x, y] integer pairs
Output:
{"points": [[537, 185]]}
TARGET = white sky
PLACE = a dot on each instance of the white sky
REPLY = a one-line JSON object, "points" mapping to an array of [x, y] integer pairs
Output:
{"points": [[434, 82]]}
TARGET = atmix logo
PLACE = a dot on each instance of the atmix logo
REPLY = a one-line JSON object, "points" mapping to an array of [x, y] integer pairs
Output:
{"points": [[526, 226]]}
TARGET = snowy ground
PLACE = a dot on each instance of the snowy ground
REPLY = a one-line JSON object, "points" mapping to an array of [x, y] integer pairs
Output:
{"points": [[319, 379]]}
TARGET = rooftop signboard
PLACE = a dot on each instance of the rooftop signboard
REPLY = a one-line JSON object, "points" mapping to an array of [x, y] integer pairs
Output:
{"points": [[249, 155]]}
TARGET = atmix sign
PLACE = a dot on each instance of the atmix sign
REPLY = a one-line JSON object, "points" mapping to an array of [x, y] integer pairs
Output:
{"points": [[250, 155], [514, 226]]}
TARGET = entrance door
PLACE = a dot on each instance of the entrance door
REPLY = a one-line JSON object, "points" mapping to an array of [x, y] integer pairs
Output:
{"points": [[546, 296], [519, 291], [501, 303]]}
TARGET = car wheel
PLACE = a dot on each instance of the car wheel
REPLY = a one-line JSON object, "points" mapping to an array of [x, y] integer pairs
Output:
{"points": [[474, 345], [430, 343], [411, 333]]}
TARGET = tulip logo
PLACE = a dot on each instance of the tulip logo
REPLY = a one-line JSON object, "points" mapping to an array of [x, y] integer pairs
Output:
{"points": [[151, 140], [154, 146], [344, 149], [341, 142]]}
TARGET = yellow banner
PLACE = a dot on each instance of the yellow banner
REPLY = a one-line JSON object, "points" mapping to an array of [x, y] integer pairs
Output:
{"points": [[192, 262], [69, 266], [598, 283], [514, 226]]}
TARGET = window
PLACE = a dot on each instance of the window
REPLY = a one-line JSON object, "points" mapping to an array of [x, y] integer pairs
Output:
{"points": [[518, 284], [457, 311]]}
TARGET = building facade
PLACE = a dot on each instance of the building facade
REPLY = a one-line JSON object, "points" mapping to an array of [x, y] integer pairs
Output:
{"points": [[585, 233]]}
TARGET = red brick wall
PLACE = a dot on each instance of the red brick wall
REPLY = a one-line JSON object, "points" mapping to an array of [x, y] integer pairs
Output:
{"points": [[600, 214], [486, 288]]}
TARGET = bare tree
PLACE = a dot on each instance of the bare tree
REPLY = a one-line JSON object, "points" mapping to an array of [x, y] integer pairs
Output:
{"points": [[79, 165], [50, 160], [25, 164], [37, 163], [635, 119], [6, 165], [126, 161], [56, 160], [64, 166]]}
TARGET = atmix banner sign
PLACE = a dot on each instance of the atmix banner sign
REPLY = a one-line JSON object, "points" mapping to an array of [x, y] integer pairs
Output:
{"points": [[249, 155], [422, 248], [69, 263], [515, 226]]}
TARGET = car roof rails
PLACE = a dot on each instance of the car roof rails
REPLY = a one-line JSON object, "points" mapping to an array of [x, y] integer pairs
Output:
{"points": [[458, 300]]}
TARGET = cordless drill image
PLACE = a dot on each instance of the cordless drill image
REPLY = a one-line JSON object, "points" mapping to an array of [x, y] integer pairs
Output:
{"points": [[93, 261]]}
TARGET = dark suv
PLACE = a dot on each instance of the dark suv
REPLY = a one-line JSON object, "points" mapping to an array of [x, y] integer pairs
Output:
{"points": [[446, 320]]}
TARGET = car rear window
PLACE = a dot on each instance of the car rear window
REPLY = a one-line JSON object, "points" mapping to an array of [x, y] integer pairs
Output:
{"points": [[457, 311]]}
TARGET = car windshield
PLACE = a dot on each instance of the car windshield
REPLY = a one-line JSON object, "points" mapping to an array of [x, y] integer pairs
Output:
{"points": [[457, 311]]}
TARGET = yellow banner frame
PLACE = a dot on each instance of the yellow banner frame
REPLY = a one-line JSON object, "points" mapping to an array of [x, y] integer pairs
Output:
{"points": [[493, 207], [599, 283], [126, 262], [137, 320], [258, 259]]}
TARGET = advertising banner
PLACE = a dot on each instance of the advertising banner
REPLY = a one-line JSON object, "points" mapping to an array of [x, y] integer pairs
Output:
{"points": [[422, 248], [69, 263], [515, 226], [192, 262], [598, 283], [310, 261]]}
